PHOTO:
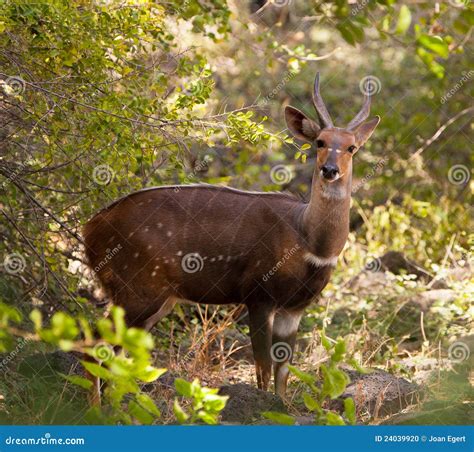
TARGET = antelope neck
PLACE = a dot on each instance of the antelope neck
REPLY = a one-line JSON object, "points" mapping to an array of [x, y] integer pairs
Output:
{"points": [[326, 217]]}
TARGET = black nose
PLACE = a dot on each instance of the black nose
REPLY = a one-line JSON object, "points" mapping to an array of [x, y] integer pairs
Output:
{"points": [[329, 171]]}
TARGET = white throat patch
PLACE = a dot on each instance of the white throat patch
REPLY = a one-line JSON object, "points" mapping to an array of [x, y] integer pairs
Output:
{"points": [[320, 261], [330, 191]]}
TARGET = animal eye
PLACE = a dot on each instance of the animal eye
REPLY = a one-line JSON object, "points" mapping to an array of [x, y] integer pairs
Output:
{"points": [[320, 143], [351, 148]]}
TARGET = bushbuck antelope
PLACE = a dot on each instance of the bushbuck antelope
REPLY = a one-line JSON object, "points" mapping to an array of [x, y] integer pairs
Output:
{"points": [[219, 245]]}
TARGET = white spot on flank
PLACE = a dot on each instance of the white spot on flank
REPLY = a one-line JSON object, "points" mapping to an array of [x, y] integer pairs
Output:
{"points": [[320, 261], [136, 255], [147, 228], [169, 233], [221, 257], [140, 203], [150, 247], [125, 267], [131, 233], [179, 253], [150, 200], [228, 258], [165, 261], [157, 267], [213, 259], [153, 273], [160, 225]]}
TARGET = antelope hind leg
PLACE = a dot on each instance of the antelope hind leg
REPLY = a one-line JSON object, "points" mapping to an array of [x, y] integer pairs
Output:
{"points": [[285, 327]]}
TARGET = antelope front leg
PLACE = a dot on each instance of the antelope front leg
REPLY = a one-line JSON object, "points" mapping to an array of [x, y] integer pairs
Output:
{"points": [[261, 323], [285, 327]]}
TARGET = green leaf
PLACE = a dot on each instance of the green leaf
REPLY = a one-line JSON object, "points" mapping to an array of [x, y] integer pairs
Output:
{"points": [[428, 59], [118, 316], [303, 376], [339, 350], [346, 34], [215, 402], [97, 370], [208, 418], [434, 43], [404, 20], [279, 418], [349, 410], [147, 402], [358, 367], [180, 414], [37, 318], [150, 374], [183, 387], [77, 380], [334, 381], [310, 403], [334, 419], [139, 413], [325, 342]]}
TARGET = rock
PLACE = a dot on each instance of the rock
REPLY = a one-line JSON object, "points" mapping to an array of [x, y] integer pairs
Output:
{"points": [[449, 414], [378, 393], [396, 263], [246, 403]]}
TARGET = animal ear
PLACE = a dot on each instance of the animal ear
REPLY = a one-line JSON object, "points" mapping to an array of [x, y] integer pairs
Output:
{"points": [[300, 125], [365, 130]]}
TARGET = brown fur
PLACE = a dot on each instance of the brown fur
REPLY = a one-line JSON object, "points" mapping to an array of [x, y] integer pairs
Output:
{"points": [[271, 252]]}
